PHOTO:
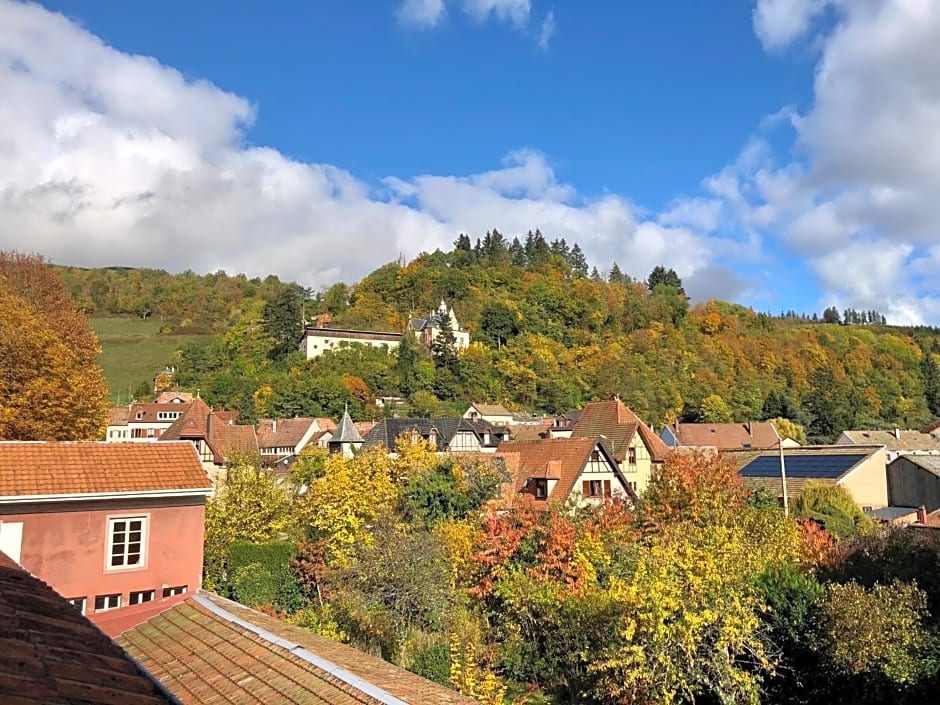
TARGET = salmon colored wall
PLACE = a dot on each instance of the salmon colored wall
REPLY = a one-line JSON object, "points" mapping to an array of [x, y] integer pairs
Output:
{"points": [[66, 549]]}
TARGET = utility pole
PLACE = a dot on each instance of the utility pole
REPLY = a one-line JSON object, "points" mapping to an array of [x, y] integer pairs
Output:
{"points": [[783, 479]]}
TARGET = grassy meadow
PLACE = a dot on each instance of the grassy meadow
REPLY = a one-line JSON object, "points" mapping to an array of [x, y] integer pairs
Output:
{"points": [[132, 351]]}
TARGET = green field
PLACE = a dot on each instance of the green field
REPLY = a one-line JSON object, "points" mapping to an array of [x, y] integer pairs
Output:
{"points": [[132, 351]]}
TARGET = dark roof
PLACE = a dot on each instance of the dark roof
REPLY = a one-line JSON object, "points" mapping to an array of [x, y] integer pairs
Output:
{"points": [[825, 464], [42, 468], [347, 432], [210, 650], [387, 431], [51, 654], [618, 424]]}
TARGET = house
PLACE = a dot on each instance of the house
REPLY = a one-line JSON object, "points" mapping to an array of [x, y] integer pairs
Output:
{"points": [[723, 436], [914, 481], [317, 341], [897, 442], [346, 440], [281, 438], [445, 434], [214, 434], [207, 649], [116, 528], [859, 469], [144, 421], [52, 654], [635, 447], [491, 413], [561, 469], [427, 329], [563, 424]]}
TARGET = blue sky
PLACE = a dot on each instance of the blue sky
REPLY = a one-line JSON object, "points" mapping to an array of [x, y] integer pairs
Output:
{"points": [[753, 146]]}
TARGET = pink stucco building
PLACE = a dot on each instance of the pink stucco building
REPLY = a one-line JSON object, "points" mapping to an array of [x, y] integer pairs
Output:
{"points": [[115, 528]]}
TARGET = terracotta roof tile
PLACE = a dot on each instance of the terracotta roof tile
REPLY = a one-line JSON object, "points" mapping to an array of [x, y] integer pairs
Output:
{"points": [[211, 650], [59, 467], [909, 440], [618, 424], [563, 458], [118, 416], [217, 428], [282, 433], [147, 412], [51, 654], [726, 436], [492, 410]]}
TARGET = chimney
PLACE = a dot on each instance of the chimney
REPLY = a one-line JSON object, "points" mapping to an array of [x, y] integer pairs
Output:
{"points": [[922, 514], [273, 425], [486, 437], [750, 429], [897, 433]]}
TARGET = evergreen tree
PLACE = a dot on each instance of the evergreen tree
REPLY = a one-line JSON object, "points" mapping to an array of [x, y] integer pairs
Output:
{"points": [[578, 261], [831, 315], [596, 275], [282, 321], [616, 276], [406, 357], [517, 253], [660, 276]]}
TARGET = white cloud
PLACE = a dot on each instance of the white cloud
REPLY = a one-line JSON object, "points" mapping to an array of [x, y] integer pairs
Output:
{"points": [[422, 14], [702, 214], [515, 12], [547, 30], [780, 22], [108, 158]]}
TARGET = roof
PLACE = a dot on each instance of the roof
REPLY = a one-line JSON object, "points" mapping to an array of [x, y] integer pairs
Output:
{"points": [[282, 433], [118, 415], [42, 468], [353, 334], [174, 398], [386, 431], [909, 440], [216, 428], [210, 650], [51, 654], [891, 514], [347, 432], [325, 423], [567, 419], [818, 464], [560, 459], [492, 409], [726, 436], [147, 412], [618, 424], [930, 463]]}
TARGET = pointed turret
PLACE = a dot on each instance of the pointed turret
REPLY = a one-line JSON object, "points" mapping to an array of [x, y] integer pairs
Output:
{"points": [[346, 439]]}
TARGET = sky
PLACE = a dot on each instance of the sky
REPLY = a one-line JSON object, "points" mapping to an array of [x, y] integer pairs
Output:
{"points": [[782, 154]]}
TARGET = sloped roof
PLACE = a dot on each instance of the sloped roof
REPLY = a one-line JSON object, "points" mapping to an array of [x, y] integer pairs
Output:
{"points": [[208, 649], [387, 431], [492, 409], [553, 458], [929, 463], [146, 412], [325, 423], [618, 424], [819, 464], [118, 415], [51, 654], [216, 428], [281, 433], [909, 440], [29, 468], [347, 432], [726, 436], [174, 398]]}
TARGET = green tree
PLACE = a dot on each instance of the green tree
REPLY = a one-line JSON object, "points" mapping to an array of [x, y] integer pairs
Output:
{"points": [[660, 276], [498, 324], [282, 321]]}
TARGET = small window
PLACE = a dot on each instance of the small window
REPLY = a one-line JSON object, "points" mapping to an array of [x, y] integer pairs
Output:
{"points": [[173, 591], [103, 603], [596, 488], [141, 596], [78, 603], [541, 489], [126, 542], [595, 456], [631, 456]]}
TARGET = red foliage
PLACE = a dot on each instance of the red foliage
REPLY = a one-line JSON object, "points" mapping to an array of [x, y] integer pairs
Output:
{"points": [[501, 537], [556, 560], [818, 547]]}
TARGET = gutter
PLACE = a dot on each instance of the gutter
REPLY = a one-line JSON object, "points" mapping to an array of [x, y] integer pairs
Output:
{"points": [[87, 496]]}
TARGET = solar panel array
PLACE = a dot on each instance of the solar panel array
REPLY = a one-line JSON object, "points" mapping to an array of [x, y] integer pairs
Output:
{"points": [[828, 467]]}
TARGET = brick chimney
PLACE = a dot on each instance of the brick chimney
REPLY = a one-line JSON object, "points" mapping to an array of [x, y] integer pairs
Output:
{"points": [[750, 429], [922, 514]]}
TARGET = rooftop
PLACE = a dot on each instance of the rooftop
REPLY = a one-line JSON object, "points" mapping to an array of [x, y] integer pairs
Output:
{"points": [[210, 650], [726, 436], [899, 440], [51, 654], [48, 468], [618, 424]]}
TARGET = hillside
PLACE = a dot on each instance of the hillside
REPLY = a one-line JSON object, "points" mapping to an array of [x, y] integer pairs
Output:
{"points": [[547, 336]]}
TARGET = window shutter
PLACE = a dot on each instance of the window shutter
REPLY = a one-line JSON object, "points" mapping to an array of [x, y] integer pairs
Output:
{"points": [[607, 488], [586, 488]]}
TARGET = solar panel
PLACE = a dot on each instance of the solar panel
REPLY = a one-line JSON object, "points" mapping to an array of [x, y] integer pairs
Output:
{"points": [[828, 467]]}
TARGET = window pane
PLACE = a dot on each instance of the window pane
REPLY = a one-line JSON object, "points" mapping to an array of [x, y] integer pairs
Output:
{"points": [[119, 525]]}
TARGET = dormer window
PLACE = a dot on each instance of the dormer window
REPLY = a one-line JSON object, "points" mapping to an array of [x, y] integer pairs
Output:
{"points": [[541, 489]]}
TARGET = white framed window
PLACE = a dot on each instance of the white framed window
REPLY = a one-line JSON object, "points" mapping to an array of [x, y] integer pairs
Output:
{"points": [[78, 603], [140, 597], [596, 488], [103, 603], [126, 542], [172, 591]]}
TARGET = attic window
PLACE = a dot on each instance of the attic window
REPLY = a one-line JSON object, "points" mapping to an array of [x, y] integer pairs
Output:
{"points": [[541, 489]]}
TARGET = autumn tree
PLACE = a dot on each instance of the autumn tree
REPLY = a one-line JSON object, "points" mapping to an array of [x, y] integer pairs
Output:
{"points": [[51, 387]]}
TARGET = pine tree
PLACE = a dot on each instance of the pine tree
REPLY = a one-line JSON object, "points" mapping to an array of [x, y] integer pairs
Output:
{"points": [[578, 261]]}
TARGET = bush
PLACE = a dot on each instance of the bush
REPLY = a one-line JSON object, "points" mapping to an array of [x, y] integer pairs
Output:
{"points": [[432, 662], [261, 575]]}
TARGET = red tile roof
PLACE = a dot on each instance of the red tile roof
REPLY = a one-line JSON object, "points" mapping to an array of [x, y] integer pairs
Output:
{"points": [[618, 424], [216, 428], [726, 436], [59, 467], [118, 416], [283, 433], [147, 412], [211, 650], [553, 458], [51, 654]]}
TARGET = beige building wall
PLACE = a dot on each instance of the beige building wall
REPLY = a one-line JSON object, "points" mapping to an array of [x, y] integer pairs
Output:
{"points": [[316, 344], [638, 474], [868, 482], [599, 470]]}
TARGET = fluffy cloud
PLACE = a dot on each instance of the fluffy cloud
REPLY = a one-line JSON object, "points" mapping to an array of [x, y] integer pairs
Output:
{"points": [[427, 14], [860, 201], [422, 14], [108, 158]]}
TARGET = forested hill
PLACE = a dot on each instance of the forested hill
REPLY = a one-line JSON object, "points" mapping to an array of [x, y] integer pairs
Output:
{"points": [[548, 335]]}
